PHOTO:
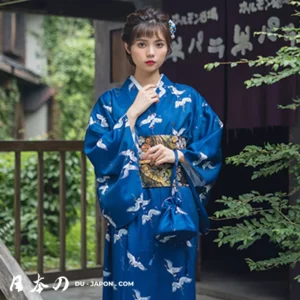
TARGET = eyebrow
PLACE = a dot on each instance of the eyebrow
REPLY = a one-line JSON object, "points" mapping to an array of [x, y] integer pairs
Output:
{"points": [[143, 40]]}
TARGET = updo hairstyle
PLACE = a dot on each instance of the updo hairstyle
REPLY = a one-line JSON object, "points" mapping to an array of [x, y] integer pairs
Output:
{"points": [[144, 23]]}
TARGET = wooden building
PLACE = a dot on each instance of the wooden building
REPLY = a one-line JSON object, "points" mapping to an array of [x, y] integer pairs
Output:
{"points": [[22, 58]]}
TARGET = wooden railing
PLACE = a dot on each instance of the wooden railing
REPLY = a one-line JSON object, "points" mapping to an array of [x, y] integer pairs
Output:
{"points": [[10, 269], [61, 147]]}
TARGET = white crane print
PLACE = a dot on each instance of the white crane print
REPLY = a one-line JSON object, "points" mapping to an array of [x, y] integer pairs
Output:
{"points": [[103, 188], [208, 188], [128, 167], [167, 238], [109, 219], [179, 285], [189, 244], [92, 121], [101, 145], [202, 196], [129, 153], [182, 102], [148, 217], [208, 165], [121, 123], [178, 133], [133, 262], [175, 91], [162, 90], [151, 120], [172, 270], [102, 179], [103, 121], [137, 296], [107, 237], [139, 202], [108, 108], [106, 273], [199, 161], [118, 236]]}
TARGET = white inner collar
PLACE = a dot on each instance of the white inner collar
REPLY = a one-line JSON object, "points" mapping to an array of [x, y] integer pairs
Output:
{"points": [[138, 86]]}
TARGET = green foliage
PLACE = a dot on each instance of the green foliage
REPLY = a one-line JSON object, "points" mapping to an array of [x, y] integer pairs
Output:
{"points": [[74, 244], [9, 97], [70, 47], [29, 186], [5, 232], [267, 215], [69, 44]]}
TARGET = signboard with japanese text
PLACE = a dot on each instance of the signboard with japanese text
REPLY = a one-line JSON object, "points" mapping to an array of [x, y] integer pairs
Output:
{"points": [[199, 40], [220, 30]]}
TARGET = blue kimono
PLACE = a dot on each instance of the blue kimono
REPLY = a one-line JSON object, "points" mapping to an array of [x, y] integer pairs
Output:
{"points": [[137, 263]]}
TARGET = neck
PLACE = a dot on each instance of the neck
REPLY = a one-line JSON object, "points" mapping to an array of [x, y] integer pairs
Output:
{"points": [[146, 78]]}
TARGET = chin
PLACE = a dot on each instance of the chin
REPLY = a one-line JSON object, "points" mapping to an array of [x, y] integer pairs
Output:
{"points": [[149, 70]]}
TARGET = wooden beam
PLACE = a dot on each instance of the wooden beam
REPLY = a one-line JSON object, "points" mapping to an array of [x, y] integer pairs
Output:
{"points": [[11, 2], [57, 145], [108, 10], [18, 71], [9, 270]]}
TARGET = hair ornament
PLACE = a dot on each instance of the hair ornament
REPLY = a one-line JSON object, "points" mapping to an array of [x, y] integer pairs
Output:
{"points": [[172, 28]]}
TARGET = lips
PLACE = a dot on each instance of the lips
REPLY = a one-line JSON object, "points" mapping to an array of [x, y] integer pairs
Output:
{"points": [[150, 62]]}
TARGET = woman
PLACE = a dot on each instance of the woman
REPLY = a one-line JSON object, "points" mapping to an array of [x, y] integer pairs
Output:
{"points": [[130, 140]]}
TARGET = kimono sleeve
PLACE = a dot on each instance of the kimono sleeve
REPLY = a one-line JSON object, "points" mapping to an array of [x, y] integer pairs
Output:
{"points": [[203, 156], [203, 153], [111, 148]]}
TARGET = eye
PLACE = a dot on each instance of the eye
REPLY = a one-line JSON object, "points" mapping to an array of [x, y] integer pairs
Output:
{"points": [[141, 44], [160, 45]]}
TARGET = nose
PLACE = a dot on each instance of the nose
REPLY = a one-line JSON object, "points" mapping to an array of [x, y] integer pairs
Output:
{"points": [[150, 51]]}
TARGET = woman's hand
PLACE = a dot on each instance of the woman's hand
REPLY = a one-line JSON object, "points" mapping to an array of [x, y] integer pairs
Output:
{"points": [[145, 98], [159, 154]]}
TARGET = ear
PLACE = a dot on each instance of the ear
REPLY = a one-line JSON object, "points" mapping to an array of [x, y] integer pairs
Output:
{"points": [[127, 48]]}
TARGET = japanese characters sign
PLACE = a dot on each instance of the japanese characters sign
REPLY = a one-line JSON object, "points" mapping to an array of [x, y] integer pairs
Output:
{"points": [[219, 30]]}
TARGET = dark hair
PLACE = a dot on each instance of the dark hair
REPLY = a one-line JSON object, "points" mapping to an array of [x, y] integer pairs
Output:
{"points": [[146, 22]]}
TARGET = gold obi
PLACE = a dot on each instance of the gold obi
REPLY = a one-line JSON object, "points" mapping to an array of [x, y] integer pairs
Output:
{"points": [[160, 176]]}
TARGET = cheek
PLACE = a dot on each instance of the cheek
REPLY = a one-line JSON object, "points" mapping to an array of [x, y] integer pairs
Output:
{"points": [[136, 53], [163, 54]]}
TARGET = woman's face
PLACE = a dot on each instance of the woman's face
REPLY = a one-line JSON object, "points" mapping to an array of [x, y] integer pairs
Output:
{"points": [[148, 54]]}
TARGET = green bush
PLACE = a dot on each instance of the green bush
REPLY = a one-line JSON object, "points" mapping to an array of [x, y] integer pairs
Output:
{"points": [[270, 215], [29, 198]]}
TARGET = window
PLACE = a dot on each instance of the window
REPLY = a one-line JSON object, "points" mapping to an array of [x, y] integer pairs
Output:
{"points": [[13, 43], [120, 66]]}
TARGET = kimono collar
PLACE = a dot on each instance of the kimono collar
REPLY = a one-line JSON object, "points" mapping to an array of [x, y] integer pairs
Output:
{"points": [[131, 84], [138, 86]]}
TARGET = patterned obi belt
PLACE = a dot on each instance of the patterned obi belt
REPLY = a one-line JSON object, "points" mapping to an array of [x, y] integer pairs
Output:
{"points": [[160, 176]]}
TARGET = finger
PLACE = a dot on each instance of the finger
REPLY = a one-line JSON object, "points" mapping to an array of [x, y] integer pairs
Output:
{"points": [[151, 150], [153, 94], [157, 154], [155, 148], [155, 100], [149, 86], [160, 161], [160, 156]]}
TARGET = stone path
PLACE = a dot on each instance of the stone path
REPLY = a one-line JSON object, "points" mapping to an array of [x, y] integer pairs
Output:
{"points": [[88, 293], [213, 286]]}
